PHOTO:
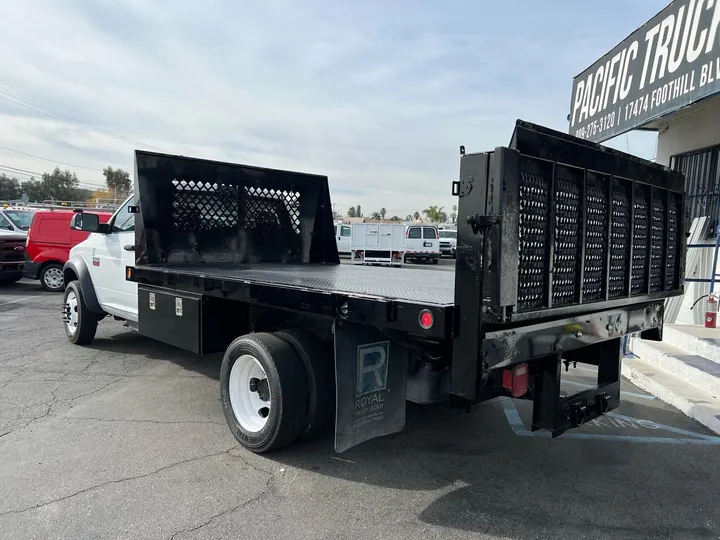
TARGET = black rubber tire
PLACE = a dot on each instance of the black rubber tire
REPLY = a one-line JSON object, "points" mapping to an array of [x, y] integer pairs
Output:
{"points": [[288, 391], [46, 269], [435, 261], [87, 320], [5, 282], [317, 358]]}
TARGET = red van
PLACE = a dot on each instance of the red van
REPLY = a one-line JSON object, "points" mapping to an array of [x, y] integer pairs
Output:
{"points": [[48, 245]]}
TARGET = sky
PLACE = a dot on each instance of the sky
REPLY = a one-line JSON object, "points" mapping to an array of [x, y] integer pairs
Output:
{"points": [[377, 95]]}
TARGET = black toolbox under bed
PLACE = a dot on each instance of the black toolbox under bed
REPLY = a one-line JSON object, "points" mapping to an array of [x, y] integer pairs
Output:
{"points": [[388, 297]]}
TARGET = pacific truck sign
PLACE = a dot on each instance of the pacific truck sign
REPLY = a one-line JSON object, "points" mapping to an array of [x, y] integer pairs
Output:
{"points": [[671, 61]]}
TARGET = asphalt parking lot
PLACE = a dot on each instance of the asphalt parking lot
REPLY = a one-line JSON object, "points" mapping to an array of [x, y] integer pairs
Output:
{"points": [[126, 439]]}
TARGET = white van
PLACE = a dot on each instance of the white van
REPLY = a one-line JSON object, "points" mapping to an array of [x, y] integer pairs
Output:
{"points": [[422, 243], [378, 243], [343, 236]]}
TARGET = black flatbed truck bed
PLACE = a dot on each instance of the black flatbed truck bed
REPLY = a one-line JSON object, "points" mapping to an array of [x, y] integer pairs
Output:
{"points": [[564, 247]]}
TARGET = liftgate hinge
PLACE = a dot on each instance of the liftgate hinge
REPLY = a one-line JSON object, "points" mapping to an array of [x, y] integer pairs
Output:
{"points": [[460, 188], [478, 222]]}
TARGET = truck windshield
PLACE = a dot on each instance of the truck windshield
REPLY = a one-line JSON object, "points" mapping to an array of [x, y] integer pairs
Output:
{"points": [[21, 218], [448, 234]]}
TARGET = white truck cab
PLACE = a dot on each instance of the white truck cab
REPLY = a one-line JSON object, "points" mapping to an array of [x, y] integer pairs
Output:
{"points": [[343, 235], [95, 272]]}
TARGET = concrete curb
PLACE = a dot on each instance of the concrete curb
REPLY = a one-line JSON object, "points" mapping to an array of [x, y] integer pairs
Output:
{"points": [[694, 402], [694, 369]]}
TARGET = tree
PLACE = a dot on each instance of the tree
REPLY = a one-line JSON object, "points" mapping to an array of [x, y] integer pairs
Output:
{"points": [[416, 215], [408, 217], [395, 218], [435, 214], [358, 211], [118, 181], [453, 216], [351, 212], [382, 213], [9, 188], [57, 185], [377, 216]]}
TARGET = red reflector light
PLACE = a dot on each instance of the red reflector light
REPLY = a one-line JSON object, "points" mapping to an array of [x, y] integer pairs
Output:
{"points": [[426, 319], [516, 380]]}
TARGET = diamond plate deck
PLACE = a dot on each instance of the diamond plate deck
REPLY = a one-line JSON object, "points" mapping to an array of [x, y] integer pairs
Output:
{"points": [[427, 286]]}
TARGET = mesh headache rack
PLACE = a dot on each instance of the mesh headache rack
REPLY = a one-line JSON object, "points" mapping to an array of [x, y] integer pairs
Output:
{"points": [[201, 211], [570, 226]]}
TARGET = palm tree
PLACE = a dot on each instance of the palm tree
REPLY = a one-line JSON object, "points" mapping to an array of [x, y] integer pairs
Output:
{"points": [[382, 213], [435, 213], [376, 216]]}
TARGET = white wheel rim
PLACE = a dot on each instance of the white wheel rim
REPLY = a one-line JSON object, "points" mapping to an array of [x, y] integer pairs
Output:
{"points": [[54, 278], [249, 393], [71, 312]]}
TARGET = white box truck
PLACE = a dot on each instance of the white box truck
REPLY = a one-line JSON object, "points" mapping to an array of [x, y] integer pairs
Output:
{"points": [[378, 243]]}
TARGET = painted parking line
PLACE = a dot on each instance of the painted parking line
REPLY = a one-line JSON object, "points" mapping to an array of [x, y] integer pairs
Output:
{"points": [[622, 392], [692, 438]]}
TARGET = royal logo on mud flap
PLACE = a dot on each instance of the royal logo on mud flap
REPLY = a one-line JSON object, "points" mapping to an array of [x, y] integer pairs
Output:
{"points": [[372, 367]]}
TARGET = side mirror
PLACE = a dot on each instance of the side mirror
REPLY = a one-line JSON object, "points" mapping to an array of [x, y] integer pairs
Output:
{"points": [[9, 228], [87, 222]]}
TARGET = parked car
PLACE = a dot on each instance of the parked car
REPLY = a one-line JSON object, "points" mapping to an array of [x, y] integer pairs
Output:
{"points": [[16, 219], [12, 247], [48, 245], [448, 242], [422, 243]]}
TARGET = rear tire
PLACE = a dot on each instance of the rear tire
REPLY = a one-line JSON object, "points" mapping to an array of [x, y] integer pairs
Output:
{"points": [[263, 389], [80, 322], [320, 369], [435, 261], [5, 282], [51, 278]]}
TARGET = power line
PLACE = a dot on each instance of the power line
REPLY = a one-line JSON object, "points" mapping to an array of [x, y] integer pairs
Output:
{"points": [[32, 174], [50, 160], [33, 105]]}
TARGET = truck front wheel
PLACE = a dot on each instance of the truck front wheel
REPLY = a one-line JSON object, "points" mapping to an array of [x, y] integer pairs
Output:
{"points": [[80, 322], [263, 388]]}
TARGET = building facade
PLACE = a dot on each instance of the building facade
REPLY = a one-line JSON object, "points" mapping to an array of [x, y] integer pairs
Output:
{"points": [[665, 77]]}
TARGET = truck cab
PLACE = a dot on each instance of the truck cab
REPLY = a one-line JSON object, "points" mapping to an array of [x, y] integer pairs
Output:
{"points": [[101, 259]]}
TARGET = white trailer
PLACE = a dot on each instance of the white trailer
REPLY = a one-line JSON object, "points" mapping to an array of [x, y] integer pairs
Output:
{"points": [[378, 243]]}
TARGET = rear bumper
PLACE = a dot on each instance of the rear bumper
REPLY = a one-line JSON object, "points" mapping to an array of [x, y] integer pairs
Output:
{"points": [[422, 255], [31, 269]]}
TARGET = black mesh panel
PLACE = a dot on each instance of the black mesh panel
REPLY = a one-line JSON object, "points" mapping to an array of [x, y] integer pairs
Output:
{"points": [[595, 236], [533, 230], [657, 241], [567, 230], [640, 241], [619, 239]]}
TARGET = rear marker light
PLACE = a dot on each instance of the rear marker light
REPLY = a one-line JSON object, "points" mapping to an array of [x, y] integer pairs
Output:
{"points": [[426, 319], [516, 380]]}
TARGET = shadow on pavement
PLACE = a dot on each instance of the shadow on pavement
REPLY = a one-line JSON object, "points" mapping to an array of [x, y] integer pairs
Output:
{"points": [[489, 480]]}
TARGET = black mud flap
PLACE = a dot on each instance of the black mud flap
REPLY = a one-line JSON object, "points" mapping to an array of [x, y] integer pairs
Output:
{"points": [[371, 382]]}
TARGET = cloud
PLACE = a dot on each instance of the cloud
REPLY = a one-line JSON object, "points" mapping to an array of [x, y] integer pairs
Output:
{"points": [[377, 95]]}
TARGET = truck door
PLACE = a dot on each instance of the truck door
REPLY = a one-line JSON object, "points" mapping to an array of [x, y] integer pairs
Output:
{"points": [[111, 254]]}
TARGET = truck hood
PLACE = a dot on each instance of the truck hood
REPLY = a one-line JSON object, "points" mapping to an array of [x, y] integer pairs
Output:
{"points": [[12, 236]]}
